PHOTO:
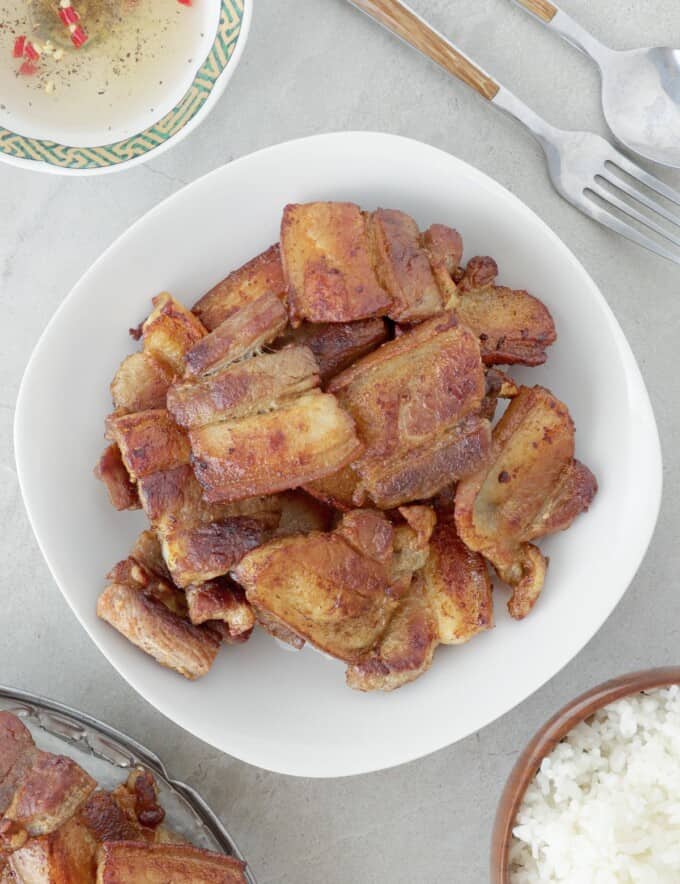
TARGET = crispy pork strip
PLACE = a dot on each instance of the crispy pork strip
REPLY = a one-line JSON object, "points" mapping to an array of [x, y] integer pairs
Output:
{"points": [[124, 862], [113, 473], [255, 324], [414, 387], [457, 585], [323, 588], [531, 486], [250, 387], [140, 383], [327, 264], [49, 793], [147, 623], [336, 345], [221, 600], [404, 651], [403, 267], [170, 331], [262, 275], [149, 441], [301, 441], [414, 401]]}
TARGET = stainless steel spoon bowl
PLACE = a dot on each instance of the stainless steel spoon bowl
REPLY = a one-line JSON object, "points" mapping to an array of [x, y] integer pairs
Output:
{"points": [[640, 87]]}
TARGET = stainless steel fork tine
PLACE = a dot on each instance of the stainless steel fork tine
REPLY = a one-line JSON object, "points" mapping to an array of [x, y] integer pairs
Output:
{"points": [[638, 194], [632, 212], [645, 177], [620, 227]]}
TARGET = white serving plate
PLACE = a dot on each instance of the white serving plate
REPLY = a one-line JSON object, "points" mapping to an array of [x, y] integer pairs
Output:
{"points": [[290, 712]]}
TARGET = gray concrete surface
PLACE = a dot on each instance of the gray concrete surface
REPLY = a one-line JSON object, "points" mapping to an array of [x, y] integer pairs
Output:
{"points": [[314, 66]]}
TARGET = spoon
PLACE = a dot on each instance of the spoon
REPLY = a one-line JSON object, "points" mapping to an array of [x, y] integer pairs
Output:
{"points": [[640, 87]]}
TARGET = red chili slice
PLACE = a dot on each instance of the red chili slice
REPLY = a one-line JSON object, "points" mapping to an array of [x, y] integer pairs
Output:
{"points": [[78, 37], [19, 46], [69, 16], [185, 2], [28, 68], [31, 52]]}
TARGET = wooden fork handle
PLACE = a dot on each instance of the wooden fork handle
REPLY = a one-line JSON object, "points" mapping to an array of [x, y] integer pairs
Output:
{"points": [[405, 23], [542, 9]]}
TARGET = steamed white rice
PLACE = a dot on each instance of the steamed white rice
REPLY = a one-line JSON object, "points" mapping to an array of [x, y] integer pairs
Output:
{"points": [[605, 806]]}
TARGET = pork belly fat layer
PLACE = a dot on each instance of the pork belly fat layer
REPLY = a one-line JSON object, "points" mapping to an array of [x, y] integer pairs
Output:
{"points": [[263, 454], [124, 862], [328, 264], [248, 387], [147, 623], [262, 275]]}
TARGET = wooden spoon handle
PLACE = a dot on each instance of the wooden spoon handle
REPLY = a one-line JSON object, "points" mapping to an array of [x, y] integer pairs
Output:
{"points": [[543, 9], [405, 23]]}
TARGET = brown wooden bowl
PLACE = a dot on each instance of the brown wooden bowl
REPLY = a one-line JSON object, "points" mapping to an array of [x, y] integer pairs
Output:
{"points": [[544, 742]]}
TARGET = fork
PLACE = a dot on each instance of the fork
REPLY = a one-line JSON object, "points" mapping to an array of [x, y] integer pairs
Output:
{"points": [[584, 168]]}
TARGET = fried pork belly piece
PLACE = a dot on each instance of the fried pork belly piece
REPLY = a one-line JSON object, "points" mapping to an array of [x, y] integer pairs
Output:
{"points": [[113, 473], [330, 589], [49, 793], [201, 541], [262, 275], [301, 441], [513, 326], [222, 600], [403, 266], [532, 486], [140, 383], [149, 441], [151, 626], [250, 387], [255, 324], [278, 630], [457, 585], [415, 401], [170, 332], [143, 378], [327, 263], [336, 345], [65, 856], [124, 862]]}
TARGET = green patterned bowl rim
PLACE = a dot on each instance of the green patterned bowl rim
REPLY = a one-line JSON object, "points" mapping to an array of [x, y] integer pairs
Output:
{"points": [[211, 78]]}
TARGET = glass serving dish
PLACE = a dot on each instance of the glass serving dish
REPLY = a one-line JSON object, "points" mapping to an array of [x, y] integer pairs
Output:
{"points": [[108, 755]]}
